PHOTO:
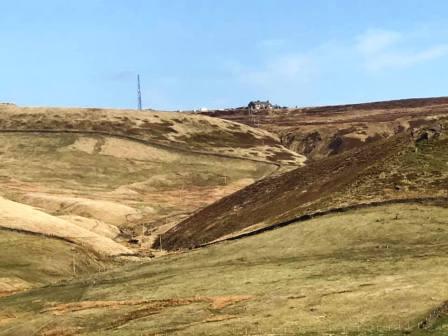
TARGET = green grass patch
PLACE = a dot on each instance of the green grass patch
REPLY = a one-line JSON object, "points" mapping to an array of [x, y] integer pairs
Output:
{"points": [[364, 272]]}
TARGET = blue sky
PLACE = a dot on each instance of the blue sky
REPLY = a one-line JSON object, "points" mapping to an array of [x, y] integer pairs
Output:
{"points": [[221, 53]]}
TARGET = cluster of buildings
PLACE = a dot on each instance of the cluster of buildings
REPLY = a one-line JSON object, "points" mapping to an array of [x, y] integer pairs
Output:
{"points": [[260, 105], [254, 105], [263, 105]]}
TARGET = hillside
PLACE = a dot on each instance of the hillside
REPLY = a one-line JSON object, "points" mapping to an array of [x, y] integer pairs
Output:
{"points": [[23, 218], [348, 244], [166, 130], [106, 182], [319, 132], [375, 271], [29, 261], [125, 167], [405, 166]]}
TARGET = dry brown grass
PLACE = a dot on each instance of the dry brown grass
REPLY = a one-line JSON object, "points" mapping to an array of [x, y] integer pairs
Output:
{"points": [[107, 183], [20, 217], [177, 131]]}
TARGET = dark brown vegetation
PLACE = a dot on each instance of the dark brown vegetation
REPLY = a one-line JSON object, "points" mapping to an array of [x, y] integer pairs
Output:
{"points": [[328, 130], [396, 168]]}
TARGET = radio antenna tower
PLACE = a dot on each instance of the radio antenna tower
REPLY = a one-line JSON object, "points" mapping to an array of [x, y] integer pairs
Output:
{"points": [[139, 94]]}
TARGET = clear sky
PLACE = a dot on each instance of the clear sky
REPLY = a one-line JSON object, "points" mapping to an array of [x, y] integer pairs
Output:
{"points": [[221, 53]]}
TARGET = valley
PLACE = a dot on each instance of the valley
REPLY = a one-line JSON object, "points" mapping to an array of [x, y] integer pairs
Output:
{"points": [[119, 222]]}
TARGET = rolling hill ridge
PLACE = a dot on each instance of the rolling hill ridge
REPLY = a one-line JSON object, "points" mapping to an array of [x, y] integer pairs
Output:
{"points": [[322, 131]]}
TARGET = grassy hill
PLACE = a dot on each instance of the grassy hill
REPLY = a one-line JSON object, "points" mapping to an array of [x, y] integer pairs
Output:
{"points": [[156, 165], [160, 165], [30, 260], [106, 182], [374, 271], [23, 218], [169, 130], [402, 167]]}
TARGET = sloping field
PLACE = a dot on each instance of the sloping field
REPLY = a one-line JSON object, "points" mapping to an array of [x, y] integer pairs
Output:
{"points": [[94, 225], [170, 130], [23, 218], [106, 211], [322, 131], [397, 168], [376, 271], [29, 260]]}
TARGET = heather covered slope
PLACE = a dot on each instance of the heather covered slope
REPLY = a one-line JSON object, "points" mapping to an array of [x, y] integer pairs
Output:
{"points": [[318, 132], [402, 167]]}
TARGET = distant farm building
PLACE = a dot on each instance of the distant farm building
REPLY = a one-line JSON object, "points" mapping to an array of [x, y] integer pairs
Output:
{"points": [[260, 105]]}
